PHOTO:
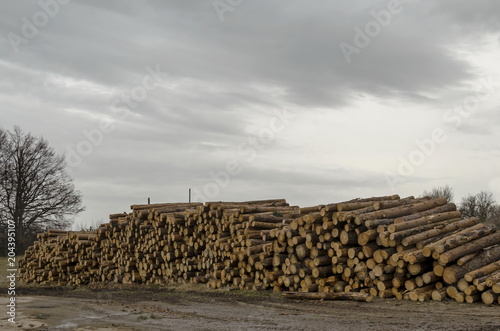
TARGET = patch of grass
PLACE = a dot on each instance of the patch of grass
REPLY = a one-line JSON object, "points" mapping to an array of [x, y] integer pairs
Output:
{"points": [[153, 316], [142, 317], [41, 316]]}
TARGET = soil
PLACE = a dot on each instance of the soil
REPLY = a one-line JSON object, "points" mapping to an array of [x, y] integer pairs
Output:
{"points": [[198, 308]]}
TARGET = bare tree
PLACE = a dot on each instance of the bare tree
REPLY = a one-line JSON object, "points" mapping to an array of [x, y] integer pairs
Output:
{"points": [[441, 192], [480, 205], [86, 227], [494, 215], [36, 192]]}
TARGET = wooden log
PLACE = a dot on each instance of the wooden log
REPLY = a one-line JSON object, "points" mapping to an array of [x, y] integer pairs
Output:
{"points": [[227, 204], [471, 247], [453, 273], [462, 285], [489, 297], [379, 198], [420, 244], [251, 209], [471, 298], [469, 224], [368, 249], [307, 210], [433, 232], [493, 279], [423, 221], [439, 294], [161, 205], [375, 223], [403, 210], [264, 225], [464, 259], [348, 238], [381, 255], [463, 238], [367, 236], [265, 217], [347, 206], [398, 236], [387, 204], [483, 271], [437, 210], [426, 291], [452, 291], [351, 296]]}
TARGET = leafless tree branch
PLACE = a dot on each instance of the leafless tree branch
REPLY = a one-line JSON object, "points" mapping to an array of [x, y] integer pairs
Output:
{"points": [[36, 192]]}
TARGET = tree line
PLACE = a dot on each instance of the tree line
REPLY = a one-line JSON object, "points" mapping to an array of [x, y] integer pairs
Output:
{"points": [[481, 205]]}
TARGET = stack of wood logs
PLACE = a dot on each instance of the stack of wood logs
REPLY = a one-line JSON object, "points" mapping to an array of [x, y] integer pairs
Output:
{"points": [[416, 249]]}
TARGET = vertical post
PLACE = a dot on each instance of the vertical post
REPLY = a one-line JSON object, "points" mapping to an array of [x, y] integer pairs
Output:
{"points": [[189, 195], [149, 201]]}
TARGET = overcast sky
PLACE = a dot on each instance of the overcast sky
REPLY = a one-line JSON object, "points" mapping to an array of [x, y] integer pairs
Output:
{"points": [[312, 101]]}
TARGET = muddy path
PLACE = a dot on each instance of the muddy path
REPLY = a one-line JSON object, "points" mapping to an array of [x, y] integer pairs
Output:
{"points": [[158, 308]]}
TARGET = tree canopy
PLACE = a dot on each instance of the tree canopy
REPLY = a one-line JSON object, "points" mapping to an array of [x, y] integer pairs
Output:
{"points": [[440, 192], [36, 192]]}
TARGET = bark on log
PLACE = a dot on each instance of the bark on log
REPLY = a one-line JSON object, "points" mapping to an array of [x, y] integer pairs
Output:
{"points": [[429, 248], [412, 231], [470, 247], [453, 226], [463, 238], [452, 274], [493, 279], [404, 210], [348, 206], [483, 271], [423, 221], [441, 209]]}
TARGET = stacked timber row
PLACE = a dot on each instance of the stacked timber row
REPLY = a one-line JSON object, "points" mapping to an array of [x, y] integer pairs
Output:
{"points": [[417, 249]]}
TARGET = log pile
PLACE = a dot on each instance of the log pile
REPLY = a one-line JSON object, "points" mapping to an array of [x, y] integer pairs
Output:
{"points": [[416, 249]]}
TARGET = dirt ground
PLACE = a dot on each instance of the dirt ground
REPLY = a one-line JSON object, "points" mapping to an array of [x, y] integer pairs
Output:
{"points": [[197, 308]]}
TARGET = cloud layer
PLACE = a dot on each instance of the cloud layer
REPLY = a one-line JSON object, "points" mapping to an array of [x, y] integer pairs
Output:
{"points": [[224, 83]]}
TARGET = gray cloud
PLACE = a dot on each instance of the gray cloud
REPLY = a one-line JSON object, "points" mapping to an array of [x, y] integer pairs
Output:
{"points": [[223, 82]]}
